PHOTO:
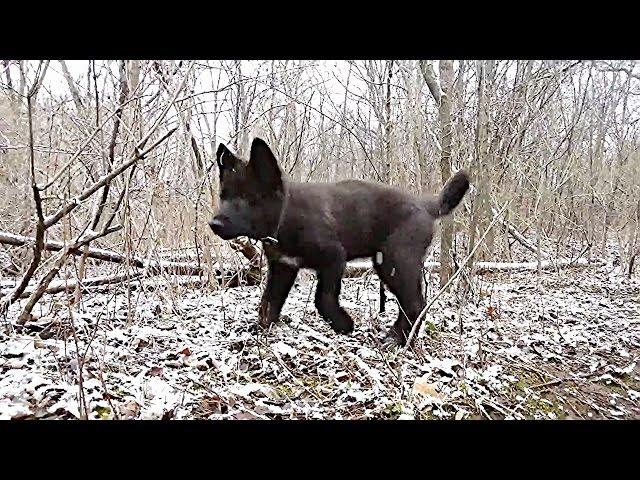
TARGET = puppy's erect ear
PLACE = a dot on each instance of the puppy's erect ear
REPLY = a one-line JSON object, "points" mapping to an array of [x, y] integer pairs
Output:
{"points": [[225, 158], [264, 165]]}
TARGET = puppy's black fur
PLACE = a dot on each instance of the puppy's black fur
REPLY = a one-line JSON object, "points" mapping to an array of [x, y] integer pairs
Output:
{"points": [[323, 225]]}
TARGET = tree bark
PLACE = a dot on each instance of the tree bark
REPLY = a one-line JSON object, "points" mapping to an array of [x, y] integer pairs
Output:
{"points": [[75, 95], [388, 127], [447, 230]]}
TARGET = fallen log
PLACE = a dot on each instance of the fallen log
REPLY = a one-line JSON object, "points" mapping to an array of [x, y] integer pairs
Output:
{"points": [[482, 267], [231, 280], [155, 267], [358, 267], [69, 285]]}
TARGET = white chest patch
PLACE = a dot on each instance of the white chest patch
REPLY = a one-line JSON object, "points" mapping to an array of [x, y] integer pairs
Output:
{"points": [[291, 261]]}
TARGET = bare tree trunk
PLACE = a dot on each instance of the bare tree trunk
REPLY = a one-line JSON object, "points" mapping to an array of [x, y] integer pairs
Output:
{"points": [[481, 142], [37, 198], [430, 79], [77, 99], [446, 235], [239, 100], [102, 199], [388, 127]]}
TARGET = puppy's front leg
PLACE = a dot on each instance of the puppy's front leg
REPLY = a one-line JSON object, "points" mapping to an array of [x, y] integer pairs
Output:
{"points": [[280, 279]]}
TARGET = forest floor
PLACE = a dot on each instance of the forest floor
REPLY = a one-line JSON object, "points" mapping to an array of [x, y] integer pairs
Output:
{"points": [[565, 345]]}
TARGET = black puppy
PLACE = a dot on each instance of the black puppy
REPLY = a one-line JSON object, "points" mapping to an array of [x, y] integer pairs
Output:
{"points": [[323, 225]]}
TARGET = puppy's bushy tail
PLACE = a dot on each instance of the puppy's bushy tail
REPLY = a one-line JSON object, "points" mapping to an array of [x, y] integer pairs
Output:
{"points": [[451, 195]]}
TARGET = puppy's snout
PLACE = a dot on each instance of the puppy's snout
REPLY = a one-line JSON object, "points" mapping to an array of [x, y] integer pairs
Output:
{"points": [[216, 224]]}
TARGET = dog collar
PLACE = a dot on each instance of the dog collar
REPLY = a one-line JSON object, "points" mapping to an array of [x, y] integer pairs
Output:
{"points": [[271, 239]]}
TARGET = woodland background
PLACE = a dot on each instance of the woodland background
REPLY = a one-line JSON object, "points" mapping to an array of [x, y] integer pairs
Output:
{"points": [[107, 174]]}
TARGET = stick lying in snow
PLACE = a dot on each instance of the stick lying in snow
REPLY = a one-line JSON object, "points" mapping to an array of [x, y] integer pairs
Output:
{"points": [[184, 268], [134, 277], [155, 267], [70, 285], [360, 266]]}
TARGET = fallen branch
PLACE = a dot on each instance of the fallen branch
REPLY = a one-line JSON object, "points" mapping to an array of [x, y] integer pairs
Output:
{"points": [[248, 251], [482, 267], [135, 279], [8, 299], [68, 286], [358, 267], [231, 280], [62, 258], [155, 267]]}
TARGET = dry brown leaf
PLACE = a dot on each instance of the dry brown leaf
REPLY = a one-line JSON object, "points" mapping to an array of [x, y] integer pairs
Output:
{"points": [[130, 409], [168, 414], [140, 344], [245, 416], [213, 404], [155, 372], [422, 387]]}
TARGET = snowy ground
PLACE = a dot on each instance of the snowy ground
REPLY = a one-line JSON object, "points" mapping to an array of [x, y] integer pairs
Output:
{"points": [[564, 346]]}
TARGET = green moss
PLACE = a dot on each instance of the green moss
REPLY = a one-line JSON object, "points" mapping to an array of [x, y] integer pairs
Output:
{"points": [[463, 387], [426, 415], [541, 405], [535, 405], [431, 327], [284, 391], [103, 412], [392, 410]]}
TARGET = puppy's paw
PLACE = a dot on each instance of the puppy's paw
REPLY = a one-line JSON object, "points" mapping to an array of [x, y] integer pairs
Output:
{"points": [[342, 326]]}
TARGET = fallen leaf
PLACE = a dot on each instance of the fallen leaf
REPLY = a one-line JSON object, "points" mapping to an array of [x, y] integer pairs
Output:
{"points": [[103, 412], [130, 409], [202, 366], [168, 414], [155, 372], [422, 387], [189, 361], [14, 363], [213, 404], [140, 344], [246, 416]]}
